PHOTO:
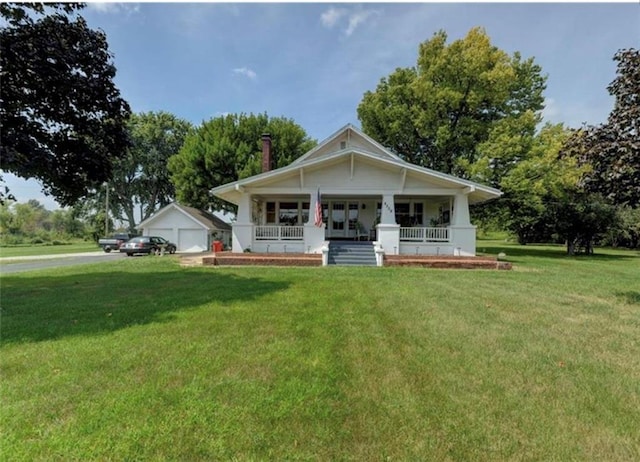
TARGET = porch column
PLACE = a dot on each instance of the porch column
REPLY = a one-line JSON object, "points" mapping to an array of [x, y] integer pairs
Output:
{"points": [[243, 227], [462, 232], [388, 229], [460, 210], [313, 235]]}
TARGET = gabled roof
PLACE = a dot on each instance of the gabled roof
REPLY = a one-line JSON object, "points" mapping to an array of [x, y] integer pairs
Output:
{"points": [[331, 150], [347, 132], [202, 217]]}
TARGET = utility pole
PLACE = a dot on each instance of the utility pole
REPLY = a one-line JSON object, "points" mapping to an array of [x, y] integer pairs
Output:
{"points": [[106, 213]]}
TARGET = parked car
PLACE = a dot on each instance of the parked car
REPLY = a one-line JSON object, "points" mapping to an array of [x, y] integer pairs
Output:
{"points": [[114, 242], [148, 245]]}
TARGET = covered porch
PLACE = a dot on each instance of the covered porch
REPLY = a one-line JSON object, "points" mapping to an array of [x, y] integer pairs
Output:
{"points": [[396, 224]]}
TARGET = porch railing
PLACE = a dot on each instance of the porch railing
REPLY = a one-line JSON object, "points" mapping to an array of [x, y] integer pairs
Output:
{"points": [[278, 233], [424, 234]]}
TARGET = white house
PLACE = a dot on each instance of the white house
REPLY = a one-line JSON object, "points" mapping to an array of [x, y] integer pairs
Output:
{"points": [[366, 192], [191, 229]]}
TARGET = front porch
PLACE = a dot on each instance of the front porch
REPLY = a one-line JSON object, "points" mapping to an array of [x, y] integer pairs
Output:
{"points": [[396, 224]]}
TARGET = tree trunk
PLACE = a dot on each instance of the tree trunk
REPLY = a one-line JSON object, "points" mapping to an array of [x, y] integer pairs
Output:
{"points": [[571, 247]]}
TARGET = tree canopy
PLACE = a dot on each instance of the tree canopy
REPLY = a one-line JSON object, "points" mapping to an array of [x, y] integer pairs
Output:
{"points": [[62, 118], [228, 148], [437, 113], [140, 177], [612, 149]]}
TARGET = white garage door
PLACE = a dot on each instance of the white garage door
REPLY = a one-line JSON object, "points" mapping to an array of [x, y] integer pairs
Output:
{"points": [[167, 233], [192, 240]]}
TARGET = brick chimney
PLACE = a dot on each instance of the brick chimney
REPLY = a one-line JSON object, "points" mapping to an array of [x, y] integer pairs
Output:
{"points": [[266, 152]]}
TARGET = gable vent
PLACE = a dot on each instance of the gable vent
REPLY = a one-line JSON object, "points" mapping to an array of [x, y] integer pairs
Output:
{"points": [[343, 145]]}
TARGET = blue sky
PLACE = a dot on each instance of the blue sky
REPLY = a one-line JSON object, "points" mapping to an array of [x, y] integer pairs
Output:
{"points": [[312, 62]]}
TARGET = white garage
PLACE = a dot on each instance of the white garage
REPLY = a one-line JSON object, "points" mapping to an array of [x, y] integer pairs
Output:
{"points": [[192, 230]]}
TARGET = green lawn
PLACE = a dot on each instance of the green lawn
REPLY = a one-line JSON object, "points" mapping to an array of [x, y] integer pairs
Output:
{"points": [[140, 359], [42, 249]]}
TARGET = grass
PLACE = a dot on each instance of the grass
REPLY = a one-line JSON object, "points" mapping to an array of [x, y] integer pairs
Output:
{"points": [[47, 249], [140, 359]]}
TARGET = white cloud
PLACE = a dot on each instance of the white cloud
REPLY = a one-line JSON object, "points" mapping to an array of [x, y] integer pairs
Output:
{"points": [[354, 18], [246, 72], [357, 18], [109, 7], [330, 17]]}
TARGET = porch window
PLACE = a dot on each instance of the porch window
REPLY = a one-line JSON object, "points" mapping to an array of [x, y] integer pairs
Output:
{"points": [[271, 212], [288, 214], [418, 213], [409, 213], [403, 214]]}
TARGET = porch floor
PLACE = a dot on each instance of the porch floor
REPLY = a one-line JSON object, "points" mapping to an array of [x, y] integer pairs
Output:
{"points": [[302, 259]]}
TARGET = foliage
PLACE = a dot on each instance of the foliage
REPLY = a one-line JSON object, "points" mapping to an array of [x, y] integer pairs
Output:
{"points": [[543, 197], [140, 178], [625, 231], [613, 148], [228, 148], [62, 118], [581, 220], [438, 113], [31, 222], [342, 364]]}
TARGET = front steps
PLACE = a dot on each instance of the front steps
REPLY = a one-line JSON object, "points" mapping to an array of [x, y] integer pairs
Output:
{"points": [[351, 253]]}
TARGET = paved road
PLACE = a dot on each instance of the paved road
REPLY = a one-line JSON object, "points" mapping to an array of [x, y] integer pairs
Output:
{"points": [[20, 264]]}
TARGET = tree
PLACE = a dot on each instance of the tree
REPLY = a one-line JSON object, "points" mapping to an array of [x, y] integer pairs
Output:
{"points": [[62, 118], [140, 178], [545, 200], [228, 148], [613, 148], [438, 113]]}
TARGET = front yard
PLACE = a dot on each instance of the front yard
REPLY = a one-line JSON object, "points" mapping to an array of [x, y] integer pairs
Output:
{"points": [[140, 359]]}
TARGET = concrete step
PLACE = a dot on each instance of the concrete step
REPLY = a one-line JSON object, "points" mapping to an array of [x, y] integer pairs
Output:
{"points": [[351, 254]]}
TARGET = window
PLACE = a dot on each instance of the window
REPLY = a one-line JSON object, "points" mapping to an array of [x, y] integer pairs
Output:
{"points": [[402, 214], [418, 214], [271, 212], [288, 213], [305, 213]]}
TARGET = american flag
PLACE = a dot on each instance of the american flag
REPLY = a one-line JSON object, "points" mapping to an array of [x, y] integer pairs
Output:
{"points": [[318, 216]]}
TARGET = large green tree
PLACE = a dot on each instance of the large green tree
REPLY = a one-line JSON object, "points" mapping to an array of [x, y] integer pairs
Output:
{"points": [[62, 119], [437, 113], [228, 148], [544, 198], [612, 149], [139, 184]]}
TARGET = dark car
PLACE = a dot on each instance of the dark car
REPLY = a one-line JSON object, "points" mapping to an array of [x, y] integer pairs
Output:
{"points": [[147, 244]]}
